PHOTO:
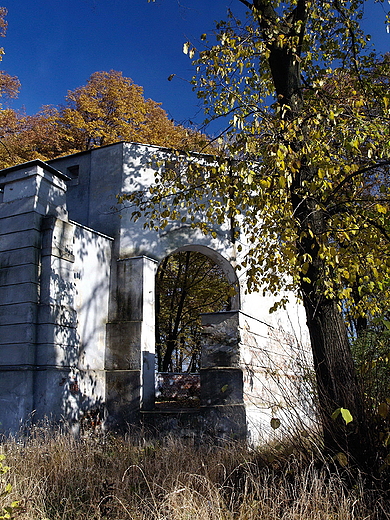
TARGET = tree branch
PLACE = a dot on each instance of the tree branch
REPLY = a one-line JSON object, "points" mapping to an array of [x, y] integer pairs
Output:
{"points": [[247, 4], [379, 227], [355, 174]]}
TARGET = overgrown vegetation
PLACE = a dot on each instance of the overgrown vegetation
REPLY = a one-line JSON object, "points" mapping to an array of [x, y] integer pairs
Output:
{"points": [[57, 477]]}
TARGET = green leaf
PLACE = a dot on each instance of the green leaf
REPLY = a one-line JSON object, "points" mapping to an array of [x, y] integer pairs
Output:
{"points": [[345, 414], [336, 413]]}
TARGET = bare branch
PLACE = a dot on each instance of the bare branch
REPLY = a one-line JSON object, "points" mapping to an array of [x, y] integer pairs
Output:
{"points": [[247, 4]]}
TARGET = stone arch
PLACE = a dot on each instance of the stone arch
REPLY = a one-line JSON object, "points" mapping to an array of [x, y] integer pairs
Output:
{"points": [[222, 262], [177, 380]]}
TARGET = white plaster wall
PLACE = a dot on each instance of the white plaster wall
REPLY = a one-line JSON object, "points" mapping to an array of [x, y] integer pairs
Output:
{"points": [[71, 328], [35, 182], [140, 164], [91, 278], [276, 365], [128, 167], [75, 287], [91, 286]]}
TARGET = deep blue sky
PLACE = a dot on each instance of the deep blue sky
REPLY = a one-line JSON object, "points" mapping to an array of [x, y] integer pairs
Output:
{"points": [[55, 45]]}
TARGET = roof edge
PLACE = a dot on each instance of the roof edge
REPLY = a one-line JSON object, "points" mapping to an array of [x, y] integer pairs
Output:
{"points": [[156, 146], [35, 162]]}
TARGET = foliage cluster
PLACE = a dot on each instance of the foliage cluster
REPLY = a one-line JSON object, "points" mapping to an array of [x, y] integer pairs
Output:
{"points": [[108, 109], [57, 477], [341, 132], [305, 174]]}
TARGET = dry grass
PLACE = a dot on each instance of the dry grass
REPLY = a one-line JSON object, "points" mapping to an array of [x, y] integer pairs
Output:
{"points": [[56, 477]]}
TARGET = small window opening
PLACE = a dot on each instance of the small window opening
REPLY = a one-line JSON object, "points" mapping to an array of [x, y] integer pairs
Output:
{"points": [[73, 173]]}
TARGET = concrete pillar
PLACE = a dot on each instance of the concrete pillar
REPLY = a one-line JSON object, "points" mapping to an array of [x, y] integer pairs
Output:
{"points": [[248, 376], [27, 193], [221, 376], [130, 355]]}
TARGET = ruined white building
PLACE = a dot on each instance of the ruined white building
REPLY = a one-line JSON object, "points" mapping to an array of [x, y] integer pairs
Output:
{"points": [[77, 286]]}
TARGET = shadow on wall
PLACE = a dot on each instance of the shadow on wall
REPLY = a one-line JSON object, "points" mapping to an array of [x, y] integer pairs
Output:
{"points": [[140, 165], [279, 382], [74, 286]]}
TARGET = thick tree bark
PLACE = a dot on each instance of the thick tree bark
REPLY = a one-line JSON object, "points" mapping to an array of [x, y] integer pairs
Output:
{"points": [[337, 383], [334, 367]]}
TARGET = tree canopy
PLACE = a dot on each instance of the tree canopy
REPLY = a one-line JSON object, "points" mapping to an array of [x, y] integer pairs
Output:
{"points": [[108, 109], [305, 173]]}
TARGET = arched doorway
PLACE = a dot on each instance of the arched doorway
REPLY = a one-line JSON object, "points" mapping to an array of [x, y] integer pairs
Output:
{"points": [[190, 281]]}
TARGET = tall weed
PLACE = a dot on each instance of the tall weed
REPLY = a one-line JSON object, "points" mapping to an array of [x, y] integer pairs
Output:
{"points": [[56, 477]]}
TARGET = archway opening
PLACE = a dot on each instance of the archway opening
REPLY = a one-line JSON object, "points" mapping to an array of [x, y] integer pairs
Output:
{"points": [[188, 283]]}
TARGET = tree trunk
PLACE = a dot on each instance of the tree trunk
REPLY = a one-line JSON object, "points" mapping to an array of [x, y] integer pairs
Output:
{"points": [[171, 343], [160, 277], [337, 384], [334, 367], [167, 361]]}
